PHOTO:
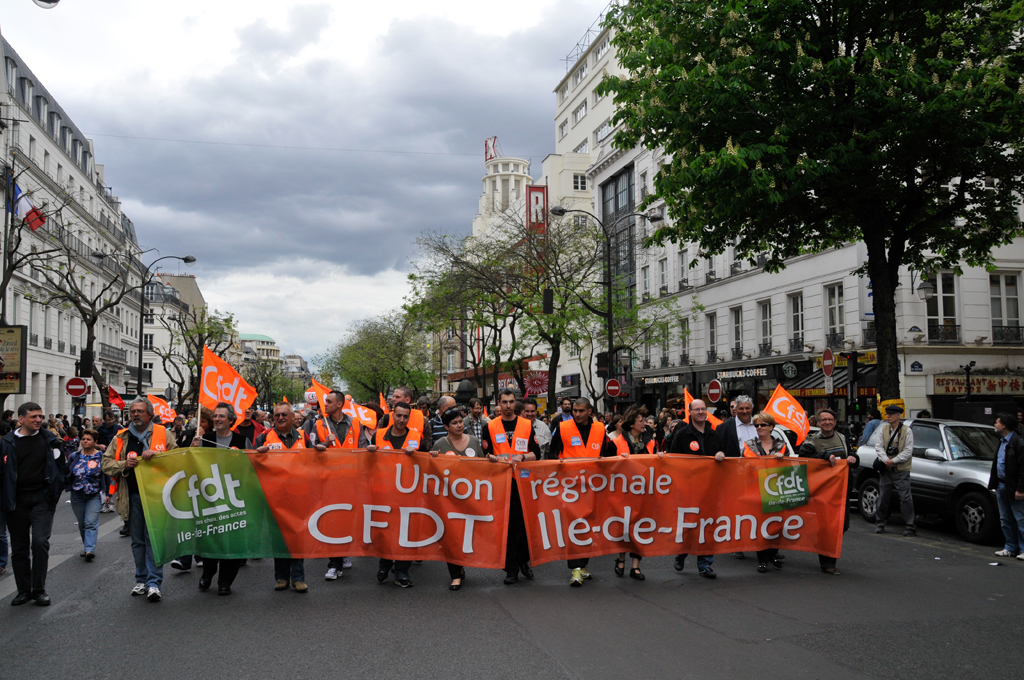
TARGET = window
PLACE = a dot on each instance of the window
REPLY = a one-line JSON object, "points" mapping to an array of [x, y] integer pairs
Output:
{"points": [[684, 334], [54, 129], [32, 148], [451, 332], [602, 131], [148, 317], [563, 93], [643, 185], [925, 437], [1005, 305], [584, 147], [574, 349], [836, 309], [563, 129], [46, 162], [602, 49], [579, 182], [796, 317], [663, 272], [580, 112], [12, 74], [737, 327], [27, 91], [765, 309], [684, 264], [451, 360], [147, 341], [942, 307], [580, 74], [598, 97], [645, 280], [712, 320]]}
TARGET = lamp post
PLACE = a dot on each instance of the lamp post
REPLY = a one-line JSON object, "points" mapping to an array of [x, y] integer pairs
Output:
{"points": [[967, 368], [608, 314]]}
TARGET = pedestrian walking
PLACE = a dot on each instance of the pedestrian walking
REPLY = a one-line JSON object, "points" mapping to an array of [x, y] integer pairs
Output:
{"points": [[895, 450], [85, 479], [1008, 481]]}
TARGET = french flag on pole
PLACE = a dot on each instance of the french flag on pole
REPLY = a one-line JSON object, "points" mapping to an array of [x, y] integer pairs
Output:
{"points": [[23, 207]]}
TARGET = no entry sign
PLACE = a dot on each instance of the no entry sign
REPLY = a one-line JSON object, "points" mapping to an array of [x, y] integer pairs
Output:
{"points": [[714, 391], [828, 363], [77, 387], [613, 387]]}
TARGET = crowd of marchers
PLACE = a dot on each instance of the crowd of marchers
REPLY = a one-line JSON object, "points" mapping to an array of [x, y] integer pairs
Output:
{"points": [[95, 462]]}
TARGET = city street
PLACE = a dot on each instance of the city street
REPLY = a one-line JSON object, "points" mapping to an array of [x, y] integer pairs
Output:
{"points": [[924, 607]]}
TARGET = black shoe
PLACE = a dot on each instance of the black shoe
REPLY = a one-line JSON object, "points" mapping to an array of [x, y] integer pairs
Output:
{"points": [[403, 582], [762, 568], [739, 556], [42, 599], [511, 577], [527, 572], [880, 530], [910, 532], [204, 584], [780, 557], [20, 599], [382, 575], [680, 562], [89, 557], [124, 532], [709, 573], [455, 586], [224, 590], [620, 568], [636, 574], [777, 563]]}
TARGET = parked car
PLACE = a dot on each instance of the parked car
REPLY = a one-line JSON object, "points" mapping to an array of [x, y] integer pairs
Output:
{"points": [[949, 476]]}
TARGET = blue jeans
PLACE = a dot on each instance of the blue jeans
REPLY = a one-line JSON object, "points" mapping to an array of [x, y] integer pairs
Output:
{"points": [[703, 561], [146, 569], [87, 511], [1011, 519], [3, 541], [289, 570]]}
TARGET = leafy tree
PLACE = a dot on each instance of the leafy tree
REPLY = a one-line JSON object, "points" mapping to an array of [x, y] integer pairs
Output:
{"points": [[182, 357], [796, 126]]}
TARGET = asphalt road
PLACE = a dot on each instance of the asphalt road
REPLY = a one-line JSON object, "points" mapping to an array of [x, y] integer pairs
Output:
{"points": [[925, 607]]}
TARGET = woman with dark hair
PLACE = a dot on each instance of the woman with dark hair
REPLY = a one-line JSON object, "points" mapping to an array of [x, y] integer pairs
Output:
{"points": [[85, 479], [456, 443], [627, 435]]}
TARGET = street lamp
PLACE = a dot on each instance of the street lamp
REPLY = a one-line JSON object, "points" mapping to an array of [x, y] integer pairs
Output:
{"points": [[967, 371], [608, 314]]}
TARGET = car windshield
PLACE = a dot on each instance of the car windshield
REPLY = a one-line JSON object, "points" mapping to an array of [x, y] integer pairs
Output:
{"points": [[979, 443]]}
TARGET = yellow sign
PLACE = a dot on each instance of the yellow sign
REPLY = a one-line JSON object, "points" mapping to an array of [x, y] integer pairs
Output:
{"points": [[870, 357], [892, 402], [12, 359]]}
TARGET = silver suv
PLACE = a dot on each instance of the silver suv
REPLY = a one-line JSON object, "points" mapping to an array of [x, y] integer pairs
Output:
{"points": [[949, 475]]}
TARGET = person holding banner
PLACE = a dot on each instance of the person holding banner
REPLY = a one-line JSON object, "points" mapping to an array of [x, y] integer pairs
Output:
{"points": [[399, 436], [697, 437], [141, 440], [581, 437], [404, 395], [284, 436], [456, 443], [767, 445], [509, 439], [627, 436], [829, 444], [336, 430], [248, 427]]}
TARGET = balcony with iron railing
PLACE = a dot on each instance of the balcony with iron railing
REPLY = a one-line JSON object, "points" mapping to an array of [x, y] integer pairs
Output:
{"points": [[663, 291], [712, 356], [684, 284], [74, 349], [735, 268], [710, 277], [47, 343], [764, 349], [645, 364], [1007, 335], [33, 339], [112, 353], [943, 334], [737, 353], [796, 344], [664, 361], [684, 359], [61, 345], [762, 259], [870, 337], [834, 340], [133, 373]]}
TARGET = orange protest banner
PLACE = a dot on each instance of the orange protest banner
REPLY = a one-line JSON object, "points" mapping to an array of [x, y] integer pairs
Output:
{"points": [[162, 409], [321, 392], [788, 412], [384, 404], [680, 504], [391, 505], [220, 383], [367, 417], [687, 398]]}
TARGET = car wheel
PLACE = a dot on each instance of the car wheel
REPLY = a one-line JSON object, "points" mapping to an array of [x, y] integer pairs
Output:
{"points": [[869, 494], [976, 517]]}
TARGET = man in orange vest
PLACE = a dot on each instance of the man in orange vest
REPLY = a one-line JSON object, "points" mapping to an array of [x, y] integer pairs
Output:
{"points": [[399, 436], [404, 395], [284, 437], [336, 430], [509, 439], [141, 440], [580, 437]]}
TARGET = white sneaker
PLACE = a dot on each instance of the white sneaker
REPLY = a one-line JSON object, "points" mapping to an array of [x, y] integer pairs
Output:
{"points": [[1004, 553], [346, 562], [332, 574], [139, 589], [153, 594], [1021, 557], [199, 561], [177, 564]]}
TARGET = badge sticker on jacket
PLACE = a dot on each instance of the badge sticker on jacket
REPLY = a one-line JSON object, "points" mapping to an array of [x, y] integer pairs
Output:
{"points": [[694, 446], [522, 445], [576, 441], [471, 453], [500, 438], [414, 443]]}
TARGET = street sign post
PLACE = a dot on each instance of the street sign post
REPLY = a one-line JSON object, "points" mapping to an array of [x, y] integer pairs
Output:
{"points": [[714, 391], [613, 387], [828, 363], [78, 387], [830, 385]]}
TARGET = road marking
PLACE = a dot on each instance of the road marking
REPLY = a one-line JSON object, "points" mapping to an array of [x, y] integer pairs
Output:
{"points": [[9, 587]]}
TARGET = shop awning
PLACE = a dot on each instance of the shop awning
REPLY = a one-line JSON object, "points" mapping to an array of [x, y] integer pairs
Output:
{"points": [[814, 384]]}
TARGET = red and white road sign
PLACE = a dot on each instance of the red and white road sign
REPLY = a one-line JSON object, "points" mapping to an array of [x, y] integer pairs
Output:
{"points": [[828, 363], [714, 391], [613, 387], [77, 387]]}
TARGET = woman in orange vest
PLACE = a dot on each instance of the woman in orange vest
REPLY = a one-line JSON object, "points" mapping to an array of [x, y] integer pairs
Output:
{"points": [[765, 445], [630, 443]]}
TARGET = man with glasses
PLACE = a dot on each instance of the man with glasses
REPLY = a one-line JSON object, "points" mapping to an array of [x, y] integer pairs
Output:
{"points": [[698, 437]]}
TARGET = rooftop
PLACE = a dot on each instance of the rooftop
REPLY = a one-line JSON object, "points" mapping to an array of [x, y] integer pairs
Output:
{"points": [[254, 336]]}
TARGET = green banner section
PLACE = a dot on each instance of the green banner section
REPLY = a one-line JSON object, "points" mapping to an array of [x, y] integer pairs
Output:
{"points": [[208, 502]]}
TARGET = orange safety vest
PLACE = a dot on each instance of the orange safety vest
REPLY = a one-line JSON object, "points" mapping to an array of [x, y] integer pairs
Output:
{"points": [[157, 442], [621, 447], [502, 447], [323, 435], [384, 445], [572, 440], [274, 443]]}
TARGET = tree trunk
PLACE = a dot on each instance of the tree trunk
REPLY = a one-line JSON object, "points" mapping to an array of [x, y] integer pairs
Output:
{"points": [[884, 276], [553, 356]]}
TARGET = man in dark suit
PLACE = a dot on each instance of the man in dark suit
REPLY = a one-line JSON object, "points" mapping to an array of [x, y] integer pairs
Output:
{"points": [[738, 429], [1007, 479]]}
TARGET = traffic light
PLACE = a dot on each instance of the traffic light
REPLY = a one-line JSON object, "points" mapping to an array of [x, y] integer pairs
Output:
{"points": [[602, 364]]}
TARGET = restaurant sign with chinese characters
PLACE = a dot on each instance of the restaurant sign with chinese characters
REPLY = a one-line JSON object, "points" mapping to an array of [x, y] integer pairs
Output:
{"points": [[980, 384]]}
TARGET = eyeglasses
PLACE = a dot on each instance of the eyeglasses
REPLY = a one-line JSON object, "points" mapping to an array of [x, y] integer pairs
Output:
{"points": [[761, 425]]}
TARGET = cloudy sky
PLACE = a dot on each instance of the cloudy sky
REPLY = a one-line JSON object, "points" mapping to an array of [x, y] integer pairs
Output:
{"points": [[286, 181]]}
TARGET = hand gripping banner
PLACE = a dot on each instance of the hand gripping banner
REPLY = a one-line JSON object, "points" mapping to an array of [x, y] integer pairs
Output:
{"points": [[680, 504], [236, 504]]}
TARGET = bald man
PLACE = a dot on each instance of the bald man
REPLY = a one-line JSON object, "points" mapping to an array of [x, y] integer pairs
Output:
{"points": [[436, 425]]}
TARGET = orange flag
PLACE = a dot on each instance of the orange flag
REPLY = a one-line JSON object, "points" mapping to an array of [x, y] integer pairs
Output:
{"points": [[162, 409], [687, 398], [321, 391], [366, 416], [384, 404], [285, 398], [220, 383], [788, 412]]}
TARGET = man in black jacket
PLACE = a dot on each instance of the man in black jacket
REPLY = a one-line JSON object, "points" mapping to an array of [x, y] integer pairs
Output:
{"points": [[739, 428], [697, 437], [32, 475], [1007, 480]]}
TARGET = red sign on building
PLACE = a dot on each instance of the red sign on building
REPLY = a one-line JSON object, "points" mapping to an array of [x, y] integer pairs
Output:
{"points": [[537, 208]]}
